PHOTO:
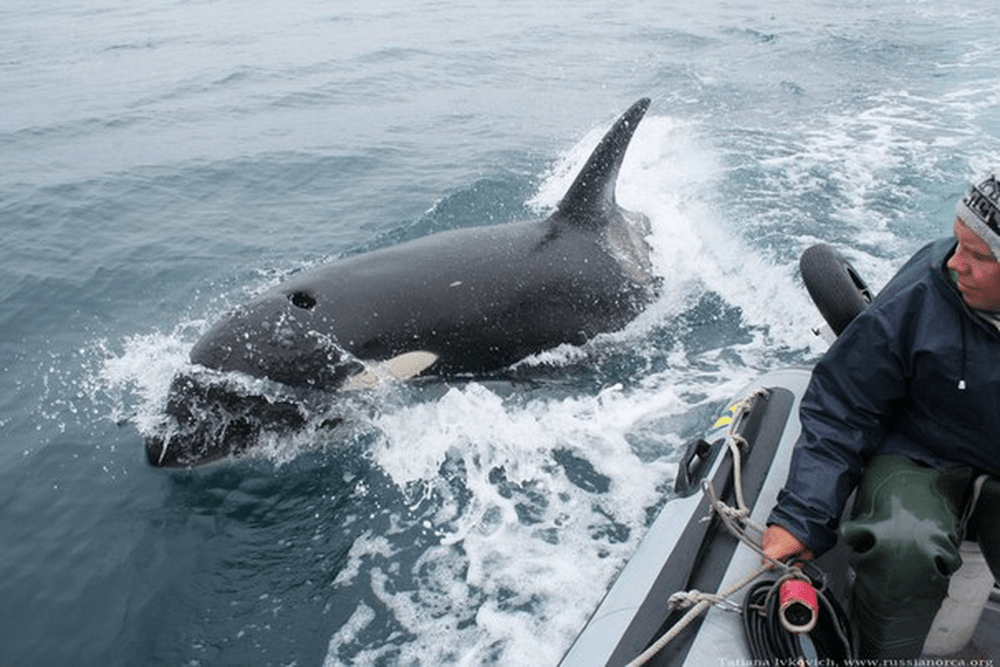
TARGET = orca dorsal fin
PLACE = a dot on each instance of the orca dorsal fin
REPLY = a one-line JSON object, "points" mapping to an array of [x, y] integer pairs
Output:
{"points": [[591, 199]]}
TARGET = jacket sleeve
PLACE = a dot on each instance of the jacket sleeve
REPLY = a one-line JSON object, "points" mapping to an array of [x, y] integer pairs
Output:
{"points": [[845, 411]]}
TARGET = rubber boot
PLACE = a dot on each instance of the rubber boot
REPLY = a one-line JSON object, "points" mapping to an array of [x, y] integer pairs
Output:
{"points": [[986, 523], [905, 537]]}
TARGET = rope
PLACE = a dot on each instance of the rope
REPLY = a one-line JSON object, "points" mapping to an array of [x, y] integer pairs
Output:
{"points": [[705, 600], [736, 520], [734, 441]]}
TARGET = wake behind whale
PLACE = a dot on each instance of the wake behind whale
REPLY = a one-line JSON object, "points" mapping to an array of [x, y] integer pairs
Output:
{"points": [[467, 301]]}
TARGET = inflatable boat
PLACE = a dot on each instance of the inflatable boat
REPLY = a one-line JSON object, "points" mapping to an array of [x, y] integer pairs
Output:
{"points": [[695, 591]]}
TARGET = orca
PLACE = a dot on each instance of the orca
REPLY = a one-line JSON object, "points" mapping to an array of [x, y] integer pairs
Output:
{"points": [[469, 301]]}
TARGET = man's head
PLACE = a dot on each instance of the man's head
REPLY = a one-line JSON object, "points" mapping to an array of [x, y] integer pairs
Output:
{"points": [[975, 260], [979, 209]]}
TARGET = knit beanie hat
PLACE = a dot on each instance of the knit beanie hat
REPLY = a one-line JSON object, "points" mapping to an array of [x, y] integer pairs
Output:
{"points": [[979, 209]]}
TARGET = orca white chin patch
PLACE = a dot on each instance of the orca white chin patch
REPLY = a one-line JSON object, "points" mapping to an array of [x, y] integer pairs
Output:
{"points": [[401, 367]]}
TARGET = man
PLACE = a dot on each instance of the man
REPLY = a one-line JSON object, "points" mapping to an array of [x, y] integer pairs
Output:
{"points": [[905, 407]]}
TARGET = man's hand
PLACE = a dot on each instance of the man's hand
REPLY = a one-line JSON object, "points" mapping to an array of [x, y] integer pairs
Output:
{"points": [[781, 545]]}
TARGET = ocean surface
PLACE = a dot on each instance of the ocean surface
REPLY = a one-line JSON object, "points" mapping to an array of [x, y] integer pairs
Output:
{"points": [[163, 161]]}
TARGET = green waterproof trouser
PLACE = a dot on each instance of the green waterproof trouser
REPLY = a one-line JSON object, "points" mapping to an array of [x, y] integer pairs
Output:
{"points": [[907, 525]]}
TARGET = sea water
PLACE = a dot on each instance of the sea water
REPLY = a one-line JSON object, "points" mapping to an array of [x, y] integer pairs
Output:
{"points": [[162, 162]]}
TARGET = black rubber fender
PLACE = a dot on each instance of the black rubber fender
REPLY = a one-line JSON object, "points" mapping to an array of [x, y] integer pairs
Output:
{"points": [[837, 289]]}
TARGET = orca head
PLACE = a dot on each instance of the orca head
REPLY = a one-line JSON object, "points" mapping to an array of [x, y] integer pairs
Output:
{"points": [[212, 418]]}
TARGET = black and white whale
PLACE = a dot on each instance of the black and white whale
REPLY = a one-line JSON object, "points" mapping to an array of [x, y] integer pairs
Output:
{"points": [[467, 301]]}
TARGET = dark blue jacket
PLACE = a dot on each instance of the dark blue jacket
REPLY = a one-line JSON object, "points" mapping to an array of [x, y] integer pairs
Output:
{"points": [[892, 384]]}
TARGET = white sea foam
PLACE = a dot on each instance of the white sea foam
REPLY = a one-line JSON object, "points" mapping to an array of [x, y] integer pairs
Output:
{"points": [[518, 578]]}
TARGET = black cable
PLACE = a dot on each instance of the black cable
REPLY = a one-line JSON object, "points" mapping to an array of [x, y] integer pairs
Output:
{"points": [[770, 643]]}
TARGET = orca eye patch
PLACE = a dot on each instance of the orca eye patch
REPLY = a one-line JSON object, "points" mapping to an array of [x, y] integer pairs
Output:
{"points": [[303, 300]]}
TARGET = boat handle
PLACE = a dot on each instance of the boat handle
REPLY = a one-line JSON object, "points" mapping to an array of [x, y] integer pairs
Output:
{"points": [[693, 466]]}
